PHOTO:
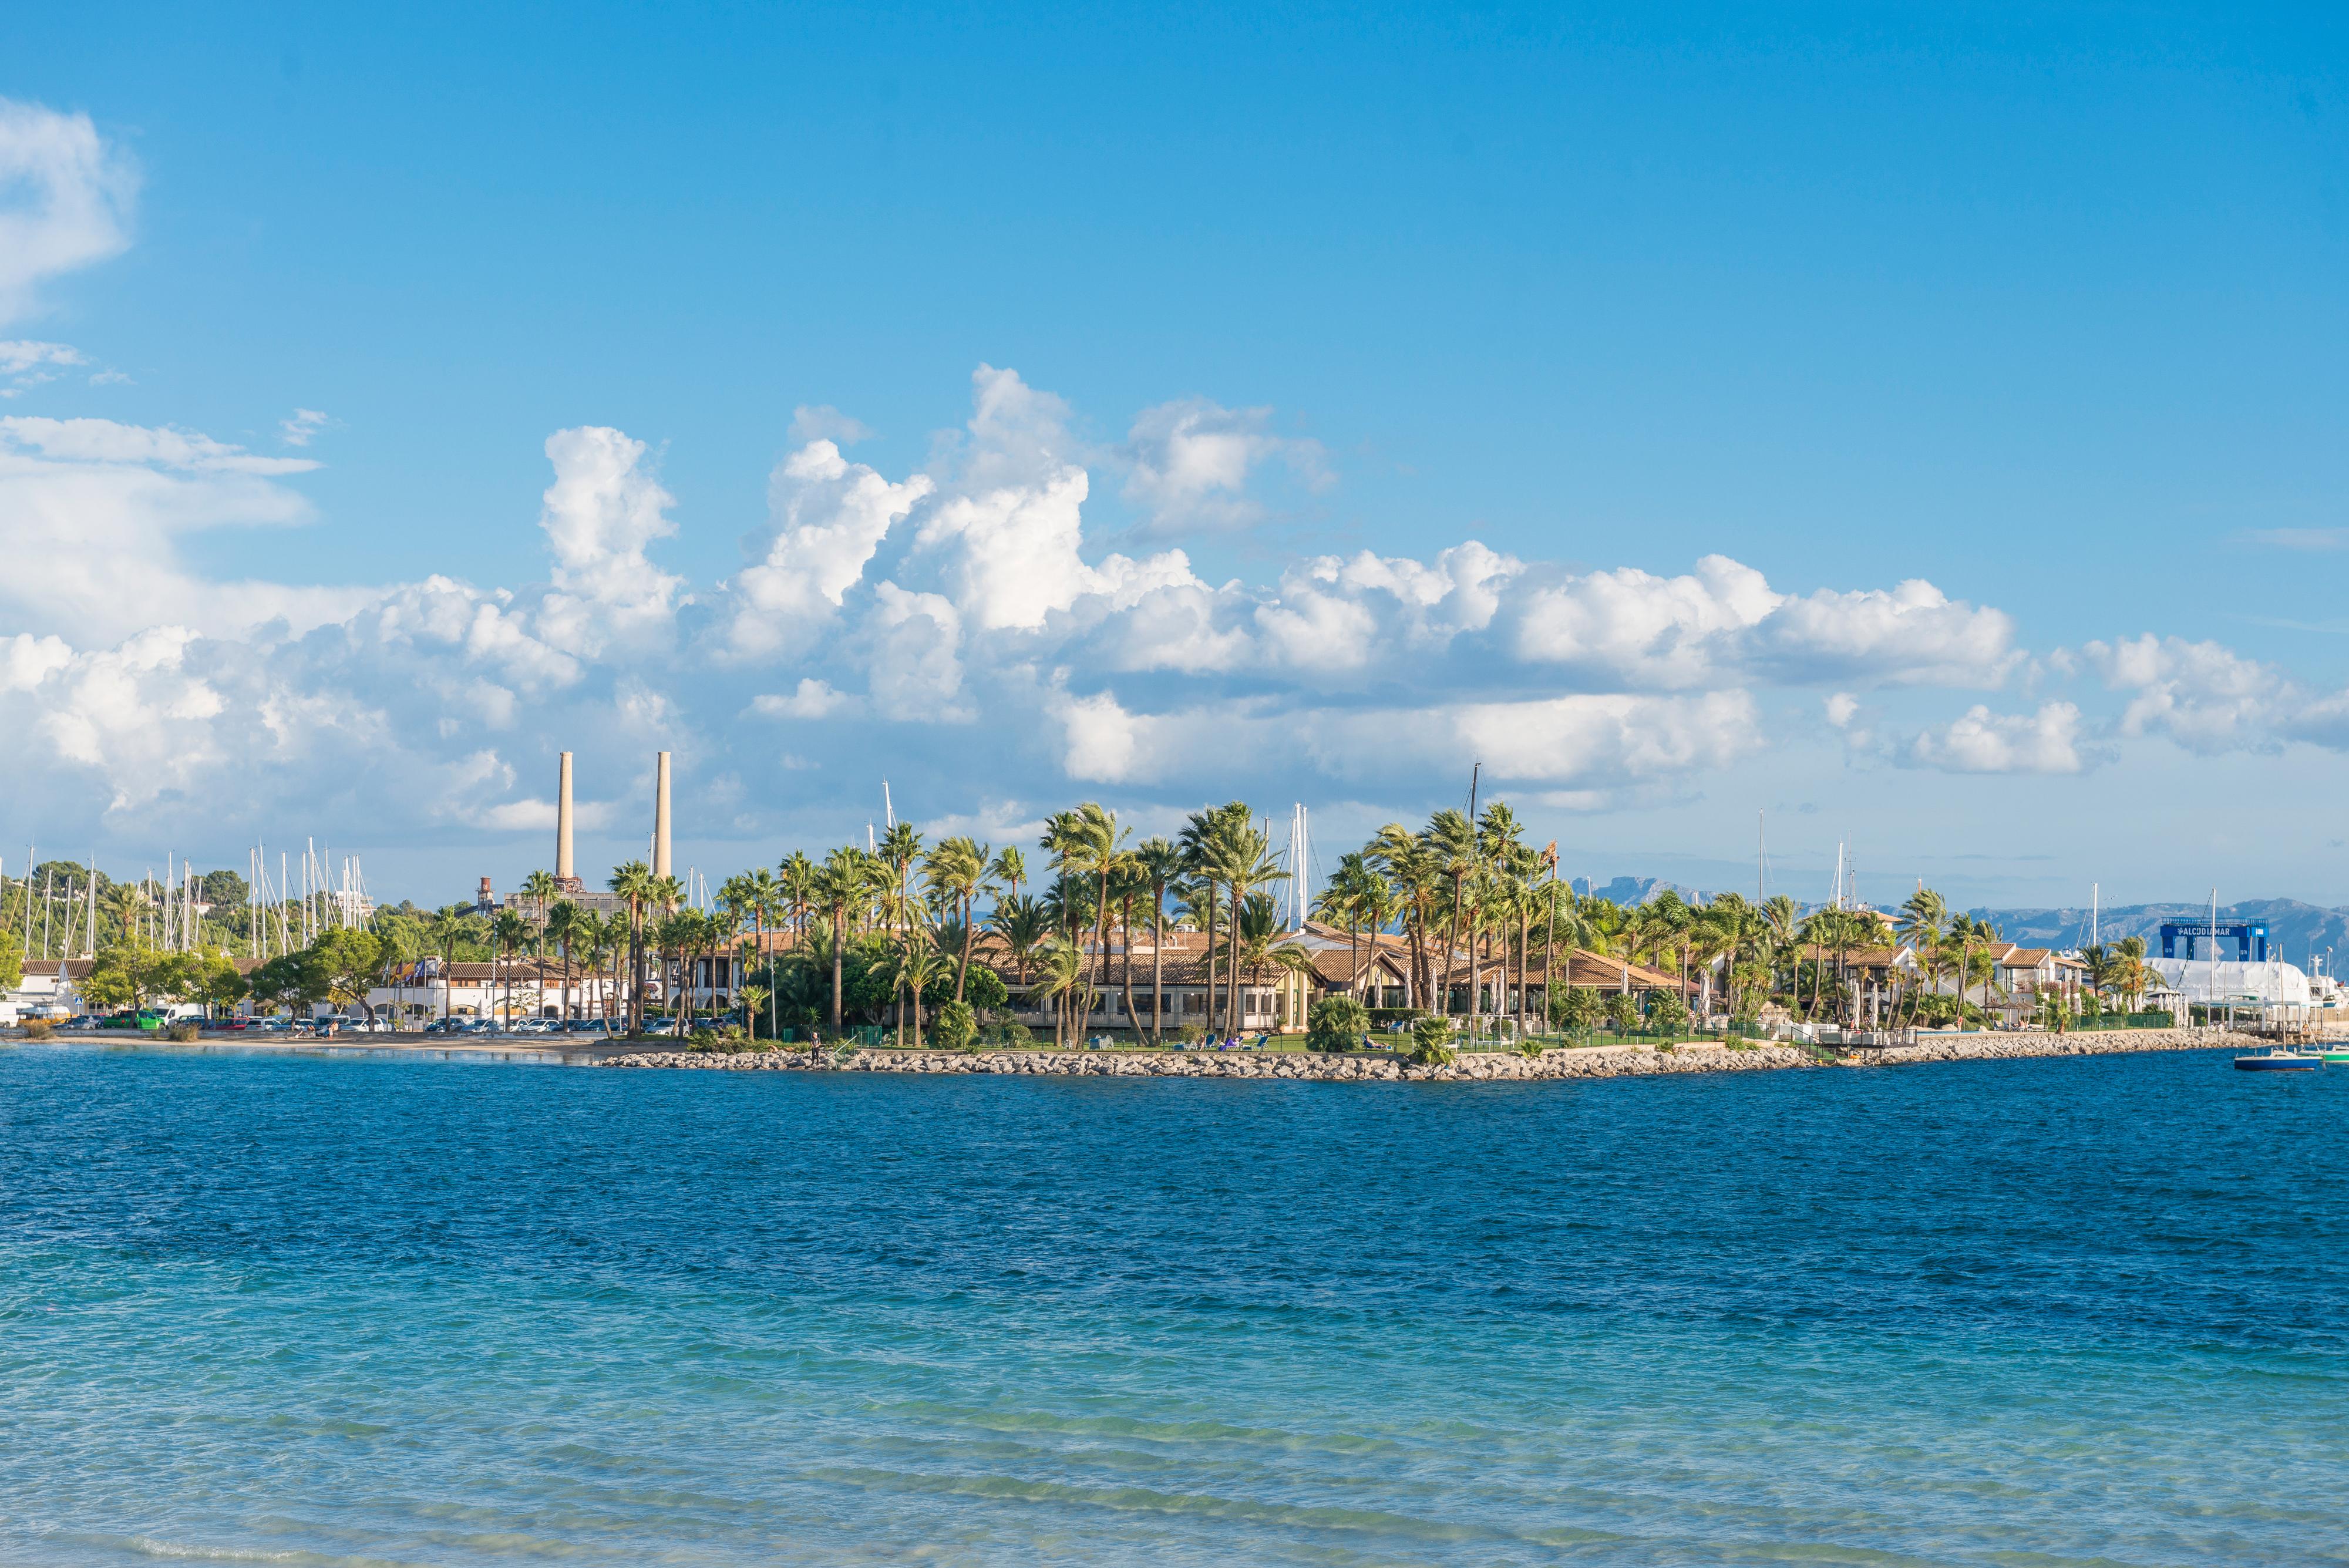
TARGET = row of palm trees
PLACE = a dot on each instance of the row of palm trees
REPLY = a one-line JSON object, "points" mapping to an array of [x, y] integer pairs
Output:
{"points": [[1463, 902], [1100, 892]]}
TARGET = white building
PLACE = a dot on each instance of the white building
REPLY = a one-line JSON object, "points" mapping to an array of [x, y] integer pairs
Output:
{"points": [[515, 989]]}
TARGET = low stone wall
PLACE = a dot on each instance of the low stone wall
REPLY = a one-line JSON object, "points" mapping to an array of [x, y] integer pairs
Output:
{"points": [[1595, 1062], [1588, 1062], [2081, 1042]]}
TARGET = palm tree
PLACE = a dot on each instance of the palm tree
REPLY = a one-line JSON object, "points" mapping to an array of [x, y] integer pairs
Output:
{"points": [[914, 962], [764, 894], [1129, 881], [539, 889], [1010, 869], [797, 879], [1450, 842], [636, 886], [1196, 842], [2128, 954], [1238, 856], [1346, 899], [508, 933], [1920, 925], [1256, 945], [842, 884], [956, 871], [451, 924], [1061, 978], [1410, 871], [564, 923], [599, 938], [1021, 924], [1160, 863]]}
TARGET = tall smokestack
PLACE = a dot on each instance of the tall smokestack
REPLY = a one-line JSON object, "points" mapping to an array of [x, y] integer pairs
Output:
{"points": [[562, 824], [660, 816]]}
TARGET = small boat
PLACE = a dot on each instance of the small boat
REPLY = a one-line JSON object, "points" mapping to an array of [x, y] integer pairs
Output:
{"points": [[2340, 1057], [2278, 1061]]}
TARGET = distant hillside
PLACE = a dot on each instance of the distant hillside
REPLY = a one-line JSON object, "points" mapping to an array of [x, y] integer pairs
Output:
{"points": [[1636, 889], [2295, 927]]}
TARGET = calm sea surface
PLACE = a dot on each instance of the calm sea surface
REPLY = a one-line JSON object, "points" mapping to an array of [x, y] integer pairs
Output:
{"points": [[284, 1309]]}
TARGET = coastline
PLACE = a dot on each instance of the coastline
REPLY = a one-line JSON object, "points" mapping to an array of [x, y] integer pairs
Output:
{"points": [[1585, 1062]]}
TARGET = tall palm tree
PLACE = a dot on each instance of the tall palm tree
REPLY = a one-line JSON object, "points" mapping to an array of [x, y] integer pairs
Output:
{"points": [[1410, 869], [600, 937], [956, 870], [1346, 901], [1021, 924], [1061, 978], [1129, 879], [842, 884], [796, 877], [538, 889], [1160, 863], [1239, 857], [508, 933], [450, 925], [1451, 841], [1196, 842], [1010, 869], [562, 923], [639, 889], [915, 962]]}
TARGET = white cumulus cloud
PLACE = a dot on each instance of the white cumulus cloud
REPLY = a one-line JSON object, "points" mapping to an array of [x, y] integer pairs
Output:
{"points": [[1982, 741], [65, 198]]}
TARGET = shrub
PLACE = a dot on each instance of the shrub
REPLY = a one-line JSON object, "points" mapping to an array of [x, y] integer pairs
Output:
{"points": [[181, 1030], [956, 1028], [1431, 1043], [1010, 1034], [38, 1029], [1191, 1033], [1576, 1008], [1622, 1014], [1667, 1012], [1336, 1024]]}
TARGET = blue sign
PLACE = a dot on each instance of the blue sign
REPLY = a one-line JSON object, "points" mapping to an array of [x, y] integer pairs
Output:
{"points": [[2247, 934]]}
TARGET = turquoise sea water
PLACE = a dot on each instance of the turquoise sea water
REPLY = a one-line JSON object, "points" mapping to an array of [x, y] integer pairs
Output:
{"points": [[260, 1309]]}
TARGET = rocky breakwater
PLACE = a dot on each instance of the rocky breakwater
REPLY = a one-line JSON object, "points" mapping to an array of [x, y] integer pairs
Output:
{"points": [[1593, 1061], [2081, 1042]]}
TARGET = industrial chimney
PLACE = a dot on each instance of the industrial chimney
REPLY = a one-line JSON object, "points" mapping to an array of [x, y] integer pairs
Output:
{"points": [[563, 873], [660, 815]]}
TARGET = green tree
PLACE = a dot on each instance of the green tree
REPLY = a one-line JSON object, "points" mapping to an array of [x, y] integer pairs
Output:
{"points": [[348, 960], [122, 977], [292, 980], [221, 986]]}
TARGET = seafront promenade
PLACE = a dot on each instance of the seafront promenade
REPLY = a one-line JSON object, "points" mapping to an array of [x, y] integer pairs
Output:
{"points": [[1582, 1062]]}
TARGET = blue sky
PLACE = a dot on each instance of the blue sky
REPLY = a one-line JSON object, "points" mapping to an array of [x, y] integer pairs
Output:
{"points": [[2042, 308]]}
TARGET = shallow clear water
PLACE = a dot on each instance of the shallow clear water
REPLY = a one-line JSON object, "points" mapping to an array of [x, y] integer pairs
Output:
{"points": [[2087, 1310]]}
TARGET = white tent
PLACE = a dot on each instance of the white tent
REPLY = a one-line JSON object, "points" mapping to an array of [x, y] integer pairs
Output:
{"points": [[2265, 984]]}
